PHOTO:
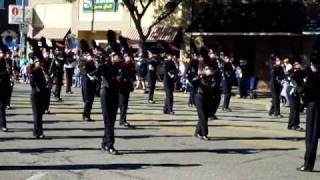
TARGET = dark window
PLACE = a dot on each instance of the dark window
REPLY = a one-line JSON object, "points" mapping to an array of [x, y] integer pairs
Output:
{"points": [[1, 4], [19, 2]]}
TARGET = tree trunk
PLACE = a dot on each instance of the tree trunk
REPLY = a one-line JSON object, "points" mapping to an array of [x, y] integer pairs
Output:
{"points": [[142, 45], [187, 20]]}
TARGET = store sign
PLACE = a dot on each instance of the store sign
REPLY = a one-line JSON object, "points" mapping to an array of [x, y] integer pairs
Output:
{"points": [[16, 13], [100, 5]]}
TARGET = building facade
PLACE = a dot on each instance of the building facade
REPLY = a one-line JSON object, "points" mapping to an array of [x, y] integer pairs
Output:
{"points": [[256, 30], [53, 19]]}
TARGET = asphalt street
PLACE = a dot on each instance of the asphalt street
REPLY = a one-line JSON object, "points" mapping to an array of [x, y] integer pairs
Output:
{"points": [[244, 144]]}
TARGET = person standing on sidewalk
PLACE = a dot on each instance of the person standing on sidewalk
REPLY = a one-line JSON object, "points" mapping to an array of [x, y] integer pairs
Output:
{"points": [[170, 73], [141, 69], [203, 99], [191, 75], [227, 77], [125, 88], [287, 66], [59, 64], [48, 68], [311, 90], [38, 84], [277, 75], [69, 68], [109, 72], [10, 61], [88, 88], [4, 91], [152, 77], [294, 94]]}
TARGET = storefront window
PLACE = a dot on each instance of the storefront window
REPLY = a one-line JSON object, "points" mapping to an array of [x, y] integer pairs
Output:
{"points": [[19, 2], [1, 4]]}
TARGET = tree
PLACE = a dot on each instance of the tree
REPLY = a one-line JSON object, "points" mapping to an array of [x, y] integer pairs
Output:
{"points": [[174, 19], [138, 8]]}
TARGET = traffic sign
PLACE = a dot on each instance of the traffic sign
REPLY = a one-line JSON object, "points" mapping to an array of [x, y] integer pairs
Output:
{"points": [[16, 14], [24, 28]]}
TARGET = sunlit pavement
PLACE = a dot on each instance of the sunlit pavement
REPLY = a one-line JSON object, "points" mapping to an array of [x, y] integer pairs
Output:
{"points": [[244, 144]]}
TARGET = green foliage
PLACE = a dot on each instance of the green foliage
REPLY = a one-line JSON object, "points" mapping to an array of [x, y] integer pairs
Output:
{"points": [[138, 8], [175, 18]]}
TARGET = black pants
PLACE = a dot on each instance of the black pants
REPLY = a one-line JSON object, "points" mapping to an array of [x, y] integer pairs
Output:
{"points": [[38, 111], [312, 134], [227, 85], [109, 105], [47, 96], [243, 92], [123, 105], [275, 102], [10, 94], [168, 105], [3, 104], [294, 116], [57, 91], [202, 103], [88, 90], [59, 83], [192, 94], [215, 104], [98, 88], [69, 75], [152, 86]]}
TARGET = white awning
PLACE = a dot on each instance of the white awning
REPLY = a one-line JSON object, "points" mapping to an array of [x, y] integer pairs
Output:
{"points": [[50, 33], [158, 33]]}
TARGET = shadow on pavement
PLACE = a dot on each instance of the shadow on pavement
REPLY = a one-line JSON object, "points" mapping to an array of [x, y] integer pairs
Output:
{"points": [[217, 151], [93, 166], [92, 137], [151, 151]]}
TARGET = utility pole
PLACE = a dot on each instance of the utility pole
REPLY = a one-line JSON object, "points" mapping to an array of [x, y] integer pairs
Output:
{"points": [[93, 3], [23, 45]]}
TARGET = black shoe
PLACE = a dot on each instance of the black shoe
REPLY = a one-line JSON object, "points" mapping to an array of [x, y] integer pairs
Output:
{"points": [[304, 169], [198, 136], [278, 116], [47, 112], [9, 108], [214, 117], [126, 125], [59, 100], [300, 129], [205, 138], [226, 109], [103, 147], [112, 151], [4, 129], [172, 113], [42, 136], [88, 119]]}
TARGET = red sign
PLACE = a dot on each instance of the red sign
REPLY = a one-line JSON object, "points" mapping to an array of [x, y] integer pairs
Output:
{"points": [[15, 11]]}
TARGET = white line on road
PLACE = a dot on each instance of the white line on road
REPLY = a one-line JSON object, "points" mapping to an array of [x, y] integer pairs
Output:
{"points": [[37, 176]]}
